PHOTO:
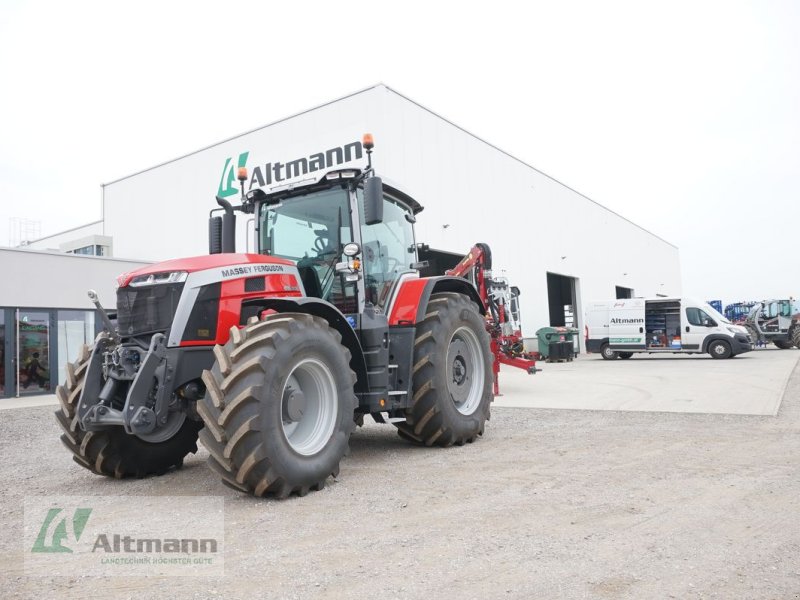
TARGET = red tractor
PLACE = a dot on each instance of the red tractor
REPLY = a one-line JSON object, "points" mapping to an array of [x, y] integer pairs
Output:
{"points": [[272, 358]]}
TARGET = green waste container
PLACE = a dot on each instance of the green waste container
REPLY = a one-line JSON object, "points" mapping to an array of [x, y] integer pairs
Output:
{"points": [[556, 343]]}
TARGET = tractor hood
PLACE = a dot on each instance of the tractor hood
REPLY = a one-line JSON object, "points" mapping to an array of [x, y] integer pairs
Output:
{"points": [[202, 263]]}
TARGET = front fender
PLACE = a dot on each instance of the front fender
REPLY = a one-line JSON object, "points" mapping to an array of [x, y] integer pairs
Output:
{"points": [[327, 311], [411, 303]]}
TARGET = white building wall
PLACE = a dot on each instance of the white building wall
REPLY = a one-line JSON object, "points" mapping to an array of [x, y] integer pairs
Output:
{"points": [[482, 194], [529, 220], [53, 280], [163, 212]]}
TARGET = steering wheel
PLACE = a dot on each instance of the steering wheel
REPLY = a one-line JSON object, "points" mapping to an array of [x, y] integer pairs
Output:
{"points": [[392, 263], [320, 245]]}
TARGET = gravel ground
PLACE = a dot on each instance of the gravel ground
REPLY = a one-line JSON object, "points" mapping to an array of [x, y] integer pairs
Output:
{"points": [[549, 503]]}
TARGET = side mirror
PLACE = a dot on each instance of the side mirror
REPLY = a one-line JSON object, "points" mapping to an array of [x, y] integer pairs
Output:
{"points": [[710, 323], [373, 200]]}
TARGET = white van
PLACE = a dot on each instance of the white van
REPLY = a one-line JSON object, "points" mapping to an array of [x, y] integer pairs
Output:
{"points": [[618, 328]]}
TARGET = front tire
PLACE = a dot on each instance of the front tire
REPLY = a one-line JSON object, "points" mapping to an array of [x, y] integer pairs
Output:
{"points": [[452, 375], [719, 349], [113, 452], [753, 333], [279, 405], [625, 355], [607, 353], [783, 345]]}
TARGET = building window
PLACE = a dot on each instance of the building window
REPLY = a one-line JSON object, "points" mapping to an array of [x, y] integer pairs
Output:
{"points": [[75, 328], [93, 250]]}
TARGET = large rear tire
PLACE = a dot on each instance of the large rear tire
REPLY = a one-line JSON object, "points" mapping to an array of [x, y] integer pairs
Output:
{"points": [[794, 335], [452, 374], [112, 452], [783, 344], [279, 405]]}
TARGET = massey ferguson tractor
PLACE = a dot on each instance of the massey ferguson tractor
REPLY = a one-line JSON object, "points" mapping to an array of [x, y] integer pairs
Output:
{"points": [[272, 359]]}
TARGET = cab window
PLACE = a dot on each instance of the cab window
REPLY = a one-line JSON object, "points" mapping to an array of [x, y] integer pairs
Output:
{"points": [[697, 317], [388, 249]]}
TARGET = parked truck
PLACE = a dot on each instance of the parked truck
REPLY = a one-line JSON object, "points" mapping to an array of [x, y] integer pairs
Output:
{"points": [[620, 328]]}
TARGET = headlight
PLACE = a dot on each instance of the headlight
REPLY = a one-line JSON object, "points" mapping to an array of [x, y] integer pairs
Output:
{"points": [[156, 278], [735, 330]]}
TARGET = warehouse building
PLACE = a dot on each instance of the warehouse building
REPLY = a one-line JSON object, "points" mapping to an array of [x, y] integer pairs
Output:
{"points": [[559, 247]]}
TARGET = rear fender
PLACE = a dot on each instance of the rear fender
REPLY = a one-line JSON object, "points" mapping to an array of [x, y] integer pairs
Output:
{"points": [[411, 303], [327, 311]]}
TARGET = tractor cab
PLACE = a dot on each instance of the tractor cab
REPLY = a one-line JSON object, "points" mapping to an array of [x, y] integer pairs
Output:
{"points": [[341, 257]]}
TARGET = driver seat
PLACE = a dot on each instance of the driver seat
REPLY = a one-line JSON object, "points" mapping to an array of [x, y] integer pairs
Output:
{"points": [[310, 280]]}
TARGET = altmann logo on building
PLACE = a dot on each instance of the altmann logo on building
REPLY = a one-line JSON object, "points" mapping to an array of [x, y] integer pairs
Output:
{"points": [[276, 172], [616, 321]]}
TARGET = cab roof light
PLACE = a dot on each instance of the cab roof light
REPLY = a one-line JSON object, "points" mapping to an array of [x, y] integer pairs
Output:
{"points": [[367, 141], [241, 174]]}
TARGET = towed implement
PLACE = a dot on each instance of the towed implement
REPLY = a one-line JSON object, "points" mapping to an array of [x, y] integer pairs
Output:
{"points": [[272, 359]]}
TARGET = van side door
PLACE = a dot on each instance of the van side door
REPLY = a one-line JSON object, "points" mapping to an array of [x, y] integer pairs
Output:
{"points": [[626, 325], [697, 324]]}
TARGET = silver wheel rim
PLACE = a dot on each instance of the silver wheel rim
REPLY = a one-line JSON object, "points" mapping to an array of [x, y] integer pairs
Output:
{"points": [[465, 376], [309, 407], [608, 352], [174, 422], [719, 349]]}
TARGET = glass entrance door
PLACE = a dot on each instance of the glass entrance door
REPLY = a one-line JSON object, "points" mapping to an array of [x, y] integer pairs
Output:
{"points": [[3, 356], [32, 352]]}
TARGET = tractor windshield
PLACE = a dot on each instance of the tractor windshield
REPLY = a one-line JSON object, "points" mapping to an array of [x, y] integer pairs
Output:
{"points": [[312, 230]]}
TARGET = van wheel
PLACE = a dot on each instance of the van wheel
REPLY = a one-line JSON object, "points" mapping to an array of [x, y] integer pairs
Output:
{"points": [[608, 353], [625, 355], [719, 349]]}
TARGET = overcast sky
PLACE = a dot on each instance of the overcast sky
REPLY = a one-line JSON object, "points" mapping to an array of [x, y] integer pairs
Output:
{"points": [[683, 116]]}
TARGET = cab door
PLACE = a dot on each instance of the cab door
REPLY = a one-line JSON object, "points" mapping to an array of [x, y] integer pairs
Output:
{"points": [[626, 325], [697, 324]]}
